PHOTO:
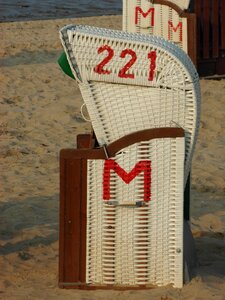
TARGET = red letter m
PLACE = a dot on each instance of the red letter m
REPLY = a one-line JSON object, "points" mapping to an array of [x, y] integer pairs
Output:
{"points": [[139, 10], [179, 26], [144, 165]]}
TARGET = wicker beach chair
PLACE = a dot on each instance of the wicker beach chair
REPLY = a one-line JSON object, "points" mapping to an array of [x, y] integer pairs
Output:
{"points": [[162, 18], [133, 196]]}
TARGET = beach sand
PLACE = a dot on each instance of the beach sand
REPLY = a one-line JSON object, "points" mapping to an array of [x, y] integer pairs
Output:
{"points": [[39, 115]]}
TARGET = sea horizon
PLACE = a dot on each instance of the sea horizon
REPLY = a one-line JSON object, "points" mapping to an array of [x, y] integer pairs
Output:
{"points": [[27, 10]]}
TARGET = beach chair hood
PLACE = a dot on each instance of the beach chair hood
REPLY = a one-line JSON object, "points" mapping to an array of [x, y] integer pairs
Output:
{"points": [[131, 82]]}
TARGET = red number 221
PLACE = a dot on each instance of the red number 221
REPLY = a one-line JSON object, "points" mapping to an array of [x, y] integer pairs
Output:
{"points": [[123, 72]]}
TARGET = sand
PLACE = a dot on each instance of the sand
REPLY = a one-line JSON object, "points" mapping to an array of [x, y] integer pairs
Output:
{"points": [[39, 115]]}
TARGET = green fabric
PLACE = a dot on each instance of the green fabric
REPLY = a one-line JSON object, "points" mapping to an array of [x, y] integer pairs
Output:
{"points": [[63, 62]]}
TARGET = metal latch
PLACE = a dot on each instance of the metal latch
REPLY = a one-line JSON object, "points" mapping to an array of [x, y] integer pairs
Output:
{"points": [[126, 203]]}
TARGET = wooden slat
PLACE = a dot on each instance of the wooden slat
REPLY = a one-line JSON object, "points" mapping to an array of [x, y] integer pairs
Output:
{"points": [[206, 16], [222, 25], [192, 38], [72, 243], [210, 36], [72, 222], [61, 220], [197, 10], [84, 141], [83, 227], [215, 28]]}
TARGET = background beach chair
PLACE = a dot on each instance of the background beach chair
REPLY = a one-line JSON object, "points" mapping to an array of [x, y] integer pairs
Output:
{"points": [[130, 83], [197, 26], [162, 18], [169, 20]]}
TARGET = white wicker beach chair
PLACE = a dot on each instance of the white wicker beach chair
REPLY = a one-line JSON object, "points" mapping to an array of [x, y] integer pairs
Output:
{"points": [[162, 18], [129, 83]]}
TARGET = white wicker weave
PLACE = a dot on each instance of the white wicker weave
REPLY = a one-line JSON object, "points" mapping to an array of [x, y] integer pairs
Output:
{"points": [[183, 4], [147, 17], [118, 106], [130, 246]]}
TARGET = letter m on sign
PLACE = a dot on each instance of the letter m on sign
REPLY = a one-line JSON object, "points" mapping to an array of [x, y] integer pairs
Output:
{"points": [[144, 14], [141, 166], [175, 29]]}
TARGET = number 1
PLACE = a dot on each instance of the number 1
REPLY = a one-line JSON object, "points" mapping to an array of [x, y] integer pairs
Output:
{"points": [[152, 57]]}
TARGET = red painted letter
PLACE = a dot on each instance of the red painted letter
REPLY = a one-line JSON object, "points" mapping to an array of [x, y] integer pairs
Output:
{"points": [[144, 165], [170, 26], [139, 10]]}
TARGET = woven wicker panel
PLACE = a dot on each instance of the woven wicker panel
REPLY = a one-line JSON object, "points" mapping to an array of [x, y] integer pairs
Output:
{"points": [[183, 4], [118, 106], [161, 20], [145, 108], [129, 245]]}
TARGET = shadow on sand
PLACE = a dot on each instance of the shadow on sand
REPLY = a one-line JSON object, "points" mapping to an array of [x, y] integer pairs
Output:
{"points": [[30, 222]]}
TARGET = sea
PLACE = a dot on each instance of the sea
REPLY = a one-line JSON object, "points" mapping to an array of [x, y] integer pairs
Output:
{"points": [[26, 10]]}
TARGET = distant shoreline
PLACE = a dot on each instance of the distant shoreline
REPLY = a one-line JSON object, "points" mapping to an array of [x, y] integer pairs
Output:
{"points": [[21, 19], [22, 10]]}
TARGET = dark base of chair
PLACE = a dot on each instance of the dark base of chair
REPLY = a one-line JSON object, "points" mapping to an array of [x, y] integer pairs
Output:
{"points": [[190, 257]]}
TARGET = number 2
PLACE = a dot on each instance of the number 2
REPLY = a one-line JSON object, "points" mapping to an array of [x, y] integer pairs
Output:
{"points": [[99, 68], [123, 72]]}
